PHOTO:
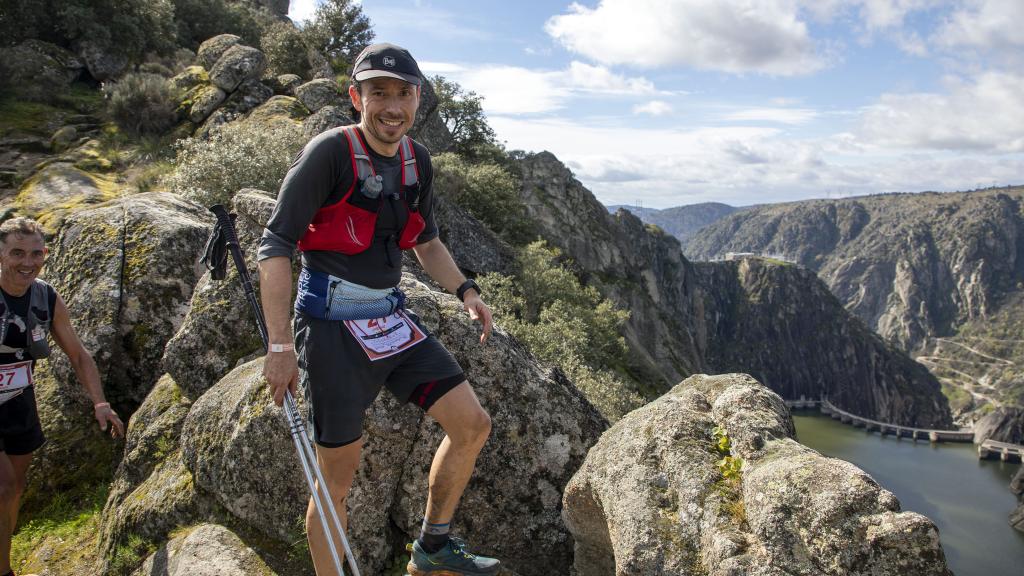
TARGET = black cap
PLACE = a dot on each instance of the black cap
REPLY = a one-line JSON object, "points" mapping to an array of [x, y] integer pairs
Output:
{"points": [[386, 60]]}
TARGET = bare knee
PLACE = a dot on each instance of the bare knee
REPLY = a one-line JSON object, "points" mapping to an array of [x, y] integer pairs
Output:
{"points": [[476, 428]]}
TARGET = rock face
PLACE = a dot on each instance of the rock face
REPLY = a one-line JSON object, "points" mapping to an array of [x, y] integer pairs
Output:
{"points": [[212, 49], [773, 321], [316, 94], [126, 269], [38, 70], [324, 119], [103, 62], [207, 550], [650, 498], [1001, 425], [683, 222], [238, 64], [941, 275], [1017, 487]]}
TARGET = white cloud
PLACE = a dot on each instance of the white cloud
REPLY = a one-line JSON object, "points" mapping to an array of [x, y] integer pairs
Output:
{"points": [[432, 68], [779, 115], [882, 14], [600, 79], [743, 165], [302, 10], [653, 108], [517, 90], [983, 113], [731, 35], [987, 24]]}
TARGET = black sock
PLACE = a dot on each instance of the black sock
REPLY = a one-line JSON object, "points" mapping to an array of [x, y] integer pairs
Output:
{"points": [[11, 573], [433, 537]]}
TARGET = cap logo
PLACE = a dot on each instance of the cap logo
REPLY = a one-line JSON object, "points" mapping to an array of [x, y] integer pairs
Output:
{"points": [[389, 61]]}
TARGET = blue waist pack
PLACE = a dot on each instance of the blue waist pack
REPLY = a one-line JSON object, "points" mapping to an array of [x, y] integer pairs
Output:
{"points": [[331, 298]]}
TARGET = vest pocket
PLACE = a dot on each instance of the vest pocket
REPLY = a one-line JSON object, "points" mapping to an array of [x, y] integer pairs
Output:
{"points": [[411, 231]]}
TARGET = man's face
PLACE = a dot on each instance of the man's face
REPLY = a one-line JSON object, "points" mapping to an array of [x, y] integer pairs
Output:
{"points": [[21, 258], [388, 108]]}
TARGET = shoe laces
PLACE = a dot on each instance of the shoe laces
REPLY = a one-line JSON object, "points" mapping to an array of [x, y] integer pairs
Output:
{"points": [[458, 546]]}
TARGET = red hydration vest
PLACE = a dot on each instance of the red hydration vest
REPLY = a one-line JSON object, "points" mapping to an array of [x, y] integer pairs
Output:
{"points": [[347, 225]]}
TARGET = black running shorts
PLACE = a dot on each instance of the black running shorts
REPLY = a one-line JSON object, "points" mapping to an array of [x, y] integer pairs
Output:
{"points": [[20, 430], [340, 382]]}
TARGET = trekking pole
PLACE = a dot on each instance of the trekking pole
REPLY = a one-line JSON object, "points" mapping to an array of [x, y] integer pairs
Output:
{"points": [[224, 235]]}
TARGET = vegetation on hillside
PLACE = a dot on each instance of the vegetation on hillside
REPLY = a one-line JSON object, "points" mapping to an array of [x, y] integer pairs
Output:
{"points": [[566, 324]]}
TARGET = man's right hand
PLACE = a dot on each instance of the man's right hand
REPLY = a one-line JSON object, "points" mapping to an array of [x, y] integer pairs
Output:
{"points": [[281, 370]]}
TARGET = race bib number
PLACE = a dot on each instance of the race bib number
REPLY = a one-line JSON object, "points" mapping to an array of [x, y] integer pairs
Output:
{"points": [[387, 336], [15, 376]]}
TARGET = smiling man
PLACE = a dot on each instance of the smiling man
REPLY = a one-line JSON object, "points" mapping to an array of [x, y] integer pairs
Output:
{"points": [[354, 199], [31, 309]]}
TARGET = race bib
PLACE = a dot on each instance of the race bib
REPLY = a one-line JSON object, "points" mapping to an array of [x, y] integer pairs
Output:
{"points": [[14, 378], [387, 336]]}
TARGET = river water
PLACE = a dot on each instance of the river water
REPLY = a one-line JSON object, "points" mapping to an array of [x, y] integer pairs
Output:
{"points": [[968, 499]]}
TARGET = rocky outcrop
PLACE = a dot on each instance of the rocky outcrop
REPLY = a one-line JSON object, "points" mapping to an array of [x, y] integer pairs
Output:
{"points": [[212, 49], [324, 119], [103, 62], [683, 222], [781, 324], [653, 496], [152, 492], [126, 270], [38, 70], [1001, 425], [207, 550], [910, 265], [319, 93], [774, 321], [1017, 487], [57, 189], [238, 64]]}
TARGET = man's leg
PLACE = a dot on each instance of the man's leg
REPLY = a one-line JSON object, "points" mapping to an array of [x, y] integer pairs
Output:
{"points": [[466, 426], [338, 466], [13, 470]]}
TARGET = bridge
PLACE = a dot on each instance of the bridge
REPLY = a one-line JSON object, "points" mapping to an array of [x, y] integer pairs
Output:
{"points": [[1005, 451], [883, 428]]}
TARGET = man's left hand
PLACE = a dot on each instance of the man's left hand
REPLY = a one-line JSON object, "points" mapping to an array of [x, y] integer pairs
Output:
{"points": [[479, 312], [106, 416]]}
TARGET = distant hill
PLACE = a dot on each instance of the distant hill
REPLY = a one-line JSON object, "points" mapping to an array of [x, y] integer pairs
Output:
{"points": [[680, 221], [939, 274]]}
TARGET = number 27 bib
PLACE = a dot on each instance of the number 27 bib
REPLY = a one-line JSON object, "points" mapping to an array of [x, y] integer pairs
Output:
{"points": [[14, 378]]}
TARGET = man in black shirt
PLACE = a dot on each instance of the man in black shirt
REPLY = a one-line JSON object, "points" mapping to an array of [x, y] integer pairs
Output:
{"points": [[354, 198], [29, 310]]}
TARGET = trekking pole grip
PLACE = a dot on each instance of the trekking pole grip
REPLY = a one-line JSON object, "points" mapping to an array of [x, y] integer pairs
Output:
{"points": [[227, 225]]}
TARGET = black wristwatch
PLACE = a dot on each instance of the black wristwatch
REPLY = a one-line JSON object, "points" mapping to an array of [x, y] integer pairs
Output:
{"points": [[467, 285]]}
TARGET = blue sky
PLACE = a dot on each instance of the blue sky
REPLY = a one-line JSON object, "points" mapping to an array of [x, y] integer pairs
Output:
{"points": [[671, 102]]}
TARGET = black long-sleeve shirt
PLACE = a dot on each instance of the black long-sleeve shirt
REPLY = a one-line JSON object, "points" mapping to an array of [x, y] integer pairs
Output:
{"points": [[320, 176]]}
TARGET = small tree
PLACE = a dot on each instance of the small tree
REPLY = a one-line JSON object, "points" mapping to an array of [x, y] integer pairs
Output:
{"points": [[285, 49], [463, 114], [340, 30]]}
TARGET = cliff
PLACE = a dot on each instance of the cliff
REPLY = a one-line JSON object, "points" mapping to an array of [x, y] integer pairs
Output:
{"points": [[939, 275], [772, 320]]}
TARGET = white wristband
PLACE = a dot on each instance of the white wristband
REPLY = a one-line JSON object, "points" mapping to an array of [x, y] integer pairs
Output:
{"points": [[281, 348], [101, 405]]}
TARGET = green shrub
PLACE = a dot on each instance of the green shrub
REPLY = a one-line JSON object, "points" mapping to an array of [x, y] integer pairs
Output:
{"points": [[199, 20], [488, 192], [566, 324], [129, 26], [339, 30], [239, 155], [142, 103], [463, 114], [285, 50]]}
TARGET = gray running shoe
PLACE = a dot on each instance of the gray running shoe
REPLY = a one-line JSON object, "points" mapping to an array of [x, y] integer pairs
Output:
{"points": [[452, 560]]}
